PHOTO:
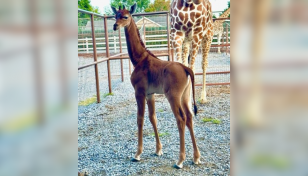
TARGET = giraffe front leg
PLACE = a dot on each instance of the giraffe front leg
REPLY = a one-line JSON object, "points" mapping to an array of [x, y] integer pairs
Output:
{"points": [[194, 52], [206, 45], [140, 98], [203, 91]]}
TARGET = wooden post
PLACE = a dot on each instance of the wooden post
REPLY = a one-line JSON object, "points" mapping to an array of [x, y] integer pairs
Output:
{"points": [[107, 53], [114, 44], [87, 47], [227, 38], [95, 59], [120, 42], [144, 32], [168, 31]]}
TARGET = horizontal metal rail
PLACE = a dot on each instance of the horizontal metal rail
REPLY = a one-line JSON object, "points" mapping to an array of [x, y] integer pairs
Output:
{"points": [[214, 19], [220, 45], [144, 14], [211, 73], [90, 13], [213, 84]]}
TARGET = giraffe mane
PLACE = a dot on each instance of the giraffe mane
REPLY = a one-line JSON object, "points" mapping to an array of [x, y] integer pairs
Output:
{"points": [[142, 44]]}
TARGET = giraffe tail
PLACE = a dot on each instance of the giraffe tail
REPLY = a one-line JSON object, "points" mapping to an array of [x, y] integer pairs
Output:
{"points": [[192, 78]]}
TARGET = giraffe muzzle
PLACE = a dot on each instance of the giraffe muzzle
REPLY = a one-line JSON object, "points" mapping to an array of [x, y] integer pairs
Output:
{"points": [[115, 27]]}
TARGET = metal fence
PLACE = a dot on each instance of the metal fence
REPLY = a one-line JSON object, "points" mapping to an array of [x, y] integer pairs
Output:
{"points": [[102, 62]]}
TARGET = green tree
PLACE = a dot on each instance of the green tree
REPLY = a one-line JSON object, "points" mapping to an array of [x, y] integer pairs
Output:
{"points": [[141, 5], [85, 5], [158, 5], [225, 9]]}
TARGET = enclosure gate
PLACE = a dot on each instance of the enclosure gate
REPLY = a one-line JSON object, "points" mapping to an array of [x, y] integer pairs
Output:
{"points": [[122, 55]]}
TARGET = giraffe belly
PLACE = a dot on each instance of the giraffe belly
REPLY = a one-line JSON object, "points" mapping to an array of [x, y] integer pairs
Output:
{"points": [[155, 89], [188, 37]]}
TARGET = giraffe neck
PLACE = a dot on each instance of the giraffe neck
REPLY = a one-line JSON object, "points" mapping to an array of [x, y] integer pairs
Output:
{"points": [[135, 46], [225, 14]]}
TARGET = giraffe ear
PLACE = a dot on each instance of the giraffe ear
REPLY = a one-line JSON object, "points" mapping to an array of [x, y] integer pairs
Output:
{"points": [[114, 10], [133, 8]]}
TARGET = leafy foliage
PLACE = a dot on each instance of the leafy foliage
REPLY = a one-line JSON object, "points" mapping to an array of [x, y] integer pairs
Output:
{"points": [[85, 5], [158, 5], [141, 5], [225, 9]]}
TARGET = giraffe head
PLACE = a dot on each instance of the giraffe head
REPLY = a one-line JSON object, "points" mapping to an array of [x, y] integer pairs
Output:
{"points": [[123, 17]]}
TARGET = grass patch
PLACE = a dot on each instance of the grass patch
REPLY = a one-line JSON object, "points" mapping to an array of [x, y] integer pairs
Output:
{"points": [[107, 94], [210, 119], [207, 119], [277, 162], [216, 121], [160, 110], [161, 134], [87, 101]]}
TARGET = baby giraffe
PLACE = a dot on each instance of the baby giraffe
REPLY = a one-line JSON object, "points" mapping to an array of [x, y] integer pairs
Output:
{"points": [[152, 75]]}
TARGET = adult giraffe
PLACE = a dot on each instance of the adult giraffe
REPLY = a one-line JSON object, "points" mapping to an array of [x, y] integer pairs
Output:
{"points": [[218, 28], [191, 27]]}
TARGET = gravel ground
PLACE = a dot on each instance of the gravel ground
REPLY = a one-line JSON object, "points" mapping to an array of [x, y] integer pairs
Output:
{"points": [[107, 136]]}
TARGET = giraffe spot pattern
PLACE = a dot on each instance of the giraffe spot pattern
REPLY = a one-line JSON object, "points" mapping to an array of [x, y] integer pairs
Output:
{"points": [[175, 12], [192, 16], [177, 26], [189, 24], [181, 16], [186, 18]]}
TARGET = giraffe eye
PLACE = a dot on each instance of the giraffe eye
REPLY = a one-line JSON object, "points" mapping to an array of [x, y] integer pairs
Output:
{"points": [[125, 17]]}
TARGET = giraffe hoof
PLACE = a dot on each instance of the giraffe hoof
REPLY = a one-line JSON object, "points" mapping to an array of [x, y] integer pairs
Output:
{"points": [[159, 153], [202, 101], [197, 161], [135, 159], [178, 166]]}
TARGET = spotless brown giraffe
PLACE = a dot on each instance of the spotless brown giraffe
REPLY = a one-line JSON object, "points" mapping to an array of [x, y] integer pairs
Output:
{"points": [[152, 75], [191, 27]]}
